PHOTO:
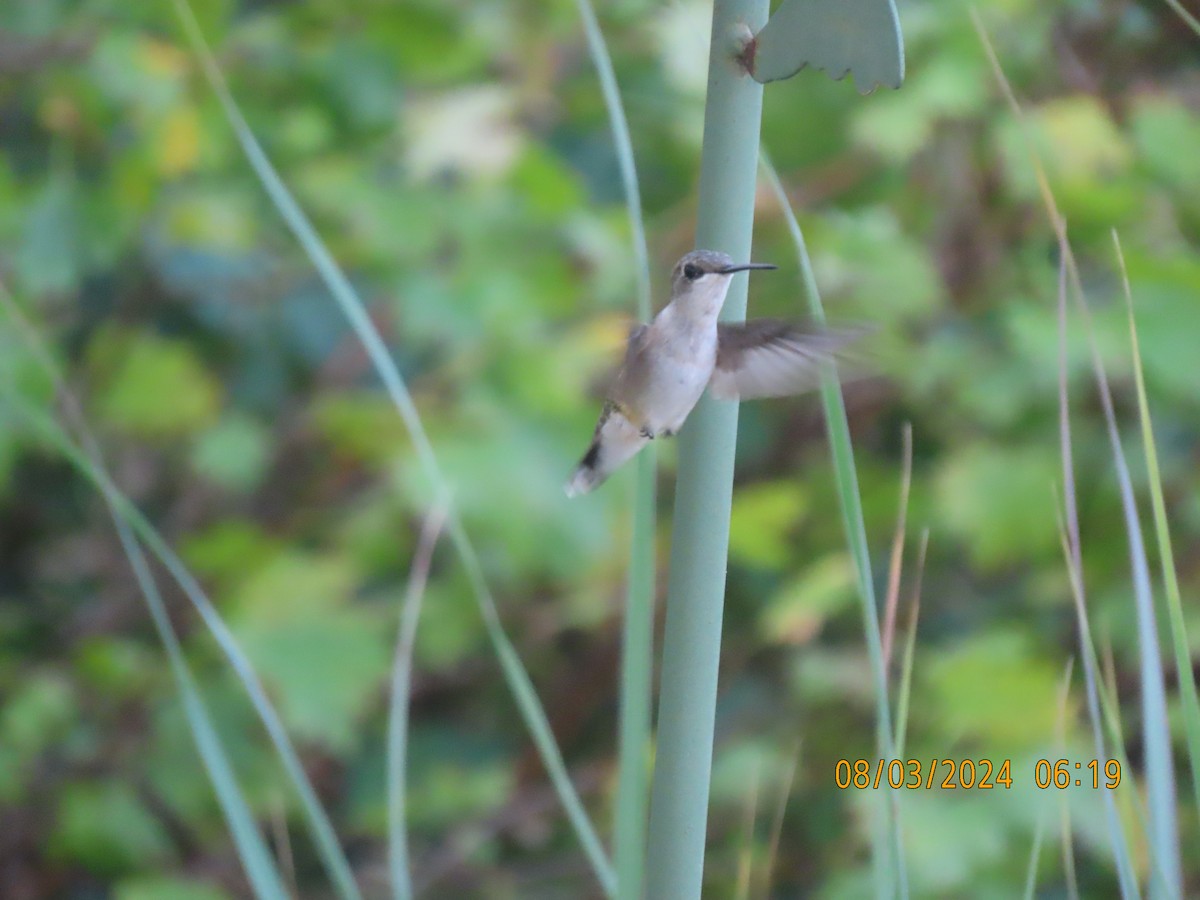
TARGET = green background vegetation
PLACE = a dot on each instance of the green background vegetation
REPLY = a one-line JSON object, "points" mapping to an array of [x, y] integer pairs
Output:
{"points": [[457, 160]]}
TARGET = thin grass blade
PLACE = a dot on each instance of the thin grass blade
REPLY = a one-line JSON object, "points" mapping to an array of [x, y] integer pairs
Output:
{"points": [[910, 646], [352, 307], [324, 837], [1156, 736], [260, 868], [1192, 22], [888, 849], [896, 563], [1190, 703], [1035, 853], [397, 745], [637, 639], [1074, 560], [776, 835]]}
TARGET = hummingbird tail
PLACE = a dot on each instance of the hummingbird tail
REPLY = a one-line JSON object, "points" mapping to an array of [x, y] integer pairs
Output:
{"points": [[587, 475], [616, 441]]}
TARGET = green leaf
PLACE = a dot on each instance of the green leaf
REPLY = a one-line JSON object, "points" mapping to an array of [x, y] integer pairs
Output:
{"points": [[234, 454], [47, 259], [153, 387], [105, 828], [761, 522], [161, 887], [324, 657], [999, 500], [839, 36], [797, 613], [1166, 133], [991, 688]]}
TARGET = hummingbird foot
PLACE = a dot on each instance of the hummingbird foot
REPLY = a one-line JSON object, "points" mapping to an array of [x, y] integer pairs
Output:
{"points": [[647, 433]]}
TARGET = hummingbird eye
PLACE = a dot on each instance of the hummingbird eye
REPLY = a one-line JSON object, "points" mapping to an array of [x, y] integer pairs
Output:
{"points": [[692, 272]]}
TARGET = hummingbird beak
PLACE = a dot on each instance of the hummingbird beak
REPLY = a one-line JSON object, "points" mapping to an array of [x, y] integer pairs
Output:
{"points": [[742, 267]]}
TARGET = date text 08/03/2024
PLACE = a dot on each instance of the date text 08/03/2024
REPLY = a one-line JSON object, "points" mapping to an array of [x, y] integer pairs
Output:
{"points": [[972, 774]]}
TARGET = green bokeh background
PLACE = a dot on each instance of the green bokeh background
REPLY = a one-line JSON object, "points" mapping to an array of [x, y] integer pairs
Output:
{"points": [[457, 159]]}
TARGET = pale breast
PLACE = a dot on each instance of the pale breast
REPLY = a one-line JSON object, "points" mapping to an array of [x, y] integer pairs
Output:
{"points": [[679, 375]]}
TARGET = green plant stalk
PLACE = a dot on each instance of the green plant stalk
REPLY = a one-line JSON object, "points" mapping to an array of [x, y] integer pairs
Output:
{"points": [[704, 488], [637, 638]]}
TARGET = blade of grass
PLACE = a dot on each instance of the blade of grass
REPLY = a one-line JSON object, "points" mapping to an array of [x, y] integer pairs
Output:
{"points": [[897, 560], [256, 860], [910, 646], [1096, 697], [777, 821], [637, 640], [352, 307], [1068, 843], [1192, 22], [1160, 769], [1155, 726], [324, 836], [283, 841], [745, 871], [1034, 854], [1073, 554], [397, 745], [1190, 703], [623, 145], [888, 848]]}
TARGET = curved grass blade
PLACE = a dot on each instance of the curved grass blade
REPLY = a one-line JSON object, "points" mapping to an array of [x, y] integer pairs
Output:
{"points": [[352, 307], [1068, 845], [637, 639], [910, 645], [1160, 770], [1192, 22], [888, 849], [896, 563], [1190, 703], [1073, 554], [397, 745], [323, 834], [251, 848], [1128, 883], [1034, 855]]}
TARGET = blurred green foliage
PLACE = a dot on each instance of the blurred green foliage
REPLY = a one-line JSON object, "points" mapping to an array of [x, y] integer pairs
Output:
{"points": [[457, 160]]}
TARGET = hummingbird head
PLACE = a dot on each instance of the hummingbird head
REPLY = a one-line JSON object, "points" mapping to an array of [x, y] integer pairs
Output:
{"points": [[700, 280]]}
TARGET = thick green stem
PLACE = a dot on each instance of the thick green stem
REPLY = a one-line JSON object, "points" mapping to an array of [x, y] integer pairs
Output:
{"points": [[699, 548]]}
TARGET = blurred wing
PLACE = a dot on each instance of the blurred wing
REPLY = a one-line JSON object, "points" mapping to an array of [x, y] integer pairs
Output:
{"points": [[634, 367], [771, 358]]}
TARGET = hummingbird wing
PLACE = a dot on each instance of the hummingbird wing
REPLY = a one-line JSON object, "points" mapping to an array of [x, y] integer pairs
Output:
{"points": [[771, 358], [634, 368]]}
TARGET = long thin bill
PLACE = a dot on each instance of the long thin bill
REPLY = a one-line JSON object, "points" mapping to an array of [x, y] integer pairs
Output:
{"points": [[741, 267]]}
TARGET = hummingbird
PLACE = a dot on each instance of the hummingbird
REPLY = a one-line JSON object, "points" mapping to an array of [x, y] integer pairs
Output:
{"points": [[670, 361]]}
